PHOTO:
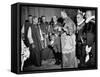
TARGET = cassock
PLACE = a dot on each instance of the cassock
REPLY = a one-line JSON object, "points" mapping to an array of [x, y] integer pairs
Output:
{"points": [[34, 38]]}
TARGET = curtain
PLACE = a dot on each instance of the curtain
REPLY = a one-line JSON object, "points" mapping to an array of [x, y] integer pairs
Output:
{"points": [[39, 11]]}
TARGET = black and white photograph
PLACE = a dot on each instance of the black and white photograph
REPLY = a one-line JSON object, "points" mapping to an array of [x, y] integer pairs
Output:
{"points": [[56, 37]]}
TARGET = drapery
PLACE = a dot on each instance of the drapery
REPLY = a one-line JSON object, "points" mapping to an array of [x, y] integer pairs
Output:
{"points": [[45, 11], [39, 11]]}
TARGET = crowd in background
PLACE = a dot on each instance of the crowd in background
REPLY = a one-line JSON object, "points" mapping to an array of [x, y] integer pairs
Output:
{"points": [[72, 43]]}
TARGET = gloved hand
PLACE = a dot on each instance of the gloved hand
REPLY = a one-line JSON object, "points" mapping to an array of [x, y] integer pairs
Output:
{"points": [[88, 49]]}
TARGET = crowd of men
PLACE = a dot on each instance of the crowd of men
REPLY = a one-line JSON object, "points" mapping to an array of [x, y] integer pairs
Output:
{"points": [[72, 44]]}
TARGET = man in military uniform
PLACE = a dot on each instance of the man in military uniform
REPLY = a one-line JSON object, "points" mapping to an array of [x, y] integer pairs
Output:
{"points": [[80, 52], [90, 59]]}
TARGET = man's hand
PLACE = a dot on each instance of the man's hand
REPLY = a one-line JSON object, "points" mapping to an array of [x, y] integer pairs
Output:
{"points": [[88, 49], [87, 58]]}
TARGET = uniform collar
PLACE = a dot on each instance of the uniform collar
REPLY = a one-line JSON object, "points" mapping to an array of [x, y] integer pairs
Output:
{"points": [[81, 22], [90, 18]]}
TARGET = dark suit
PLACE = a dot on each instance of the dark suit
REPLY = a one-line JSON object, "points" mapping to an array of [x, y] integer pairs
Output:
{"points": [[26, 27], [44, 27], [80, 46]]}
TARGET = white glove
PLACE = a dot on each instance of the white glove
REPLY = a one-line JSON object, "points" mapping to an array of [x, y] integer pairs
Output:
{"points": [[88, 49], [87, 58]]}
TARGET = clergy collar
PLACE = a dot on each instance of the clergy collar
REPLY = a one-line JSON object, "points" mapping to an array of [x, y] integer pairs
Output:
{"points": [[81, 22], [90, 18]]}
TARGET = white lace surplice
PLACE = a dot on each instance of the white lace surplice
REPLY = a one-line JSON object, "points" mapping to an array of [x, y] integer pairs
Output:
{"points": [[68, 50], [68, 43]]}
